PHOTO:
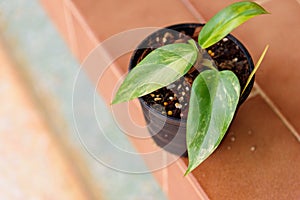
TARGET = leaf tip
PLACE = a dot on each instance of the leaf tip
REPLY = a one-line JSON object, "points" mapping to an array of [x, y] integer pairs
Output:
{"points": [[192, 165], [117, 99], [114, 101], [187, 171]]}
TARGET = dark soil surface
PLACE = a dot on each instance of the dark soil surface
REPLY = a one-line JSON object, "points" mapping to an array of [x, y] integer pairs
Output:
{"points": [[173, 100]]}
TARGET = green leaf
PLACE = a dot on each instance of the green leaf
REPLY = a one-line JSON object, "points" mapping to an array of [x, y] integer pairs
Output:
{"points": [[160, 68], [213, 101], [226, 20]]}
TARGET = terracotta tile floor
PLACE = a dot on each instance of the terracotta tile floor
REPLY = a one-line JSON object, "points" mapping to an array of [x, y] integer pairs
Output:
{"points": [[263, 161], [254, 162]]}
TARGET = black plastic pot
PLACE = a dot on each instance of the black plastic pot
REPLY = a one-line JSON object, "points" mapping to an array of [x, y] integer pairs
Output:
{"points": [[167, 132]]}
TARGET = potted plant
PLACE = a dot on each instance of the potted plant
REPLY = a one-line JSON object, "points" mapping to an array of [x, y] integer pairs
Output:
{"points": [[183, 92]]}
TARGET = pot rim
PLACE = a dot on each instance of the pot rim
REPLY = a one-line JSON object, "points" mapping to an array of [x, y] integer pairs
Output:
{"points": [[173, 120]]}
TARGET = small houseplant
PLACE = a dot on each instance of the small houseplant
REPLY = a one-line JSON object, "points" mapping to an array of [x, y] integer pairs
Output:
{"points": [[214, 94]]}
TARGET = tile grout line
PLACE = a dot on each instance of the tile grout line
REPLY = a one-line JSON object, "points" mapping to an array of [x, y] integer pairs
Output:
{"points": [[191, 8], [73, 9], [91, 35], [278, 112], [261, 2], [252, 95], [165, 175], [192, 180], [70, 28]]}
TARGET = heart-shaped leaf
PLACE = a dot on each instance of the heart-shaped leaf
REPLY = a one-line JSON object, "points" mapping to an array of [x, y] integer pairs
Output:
{"points": [[226, 20], [158, 69], [214, 98]]}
